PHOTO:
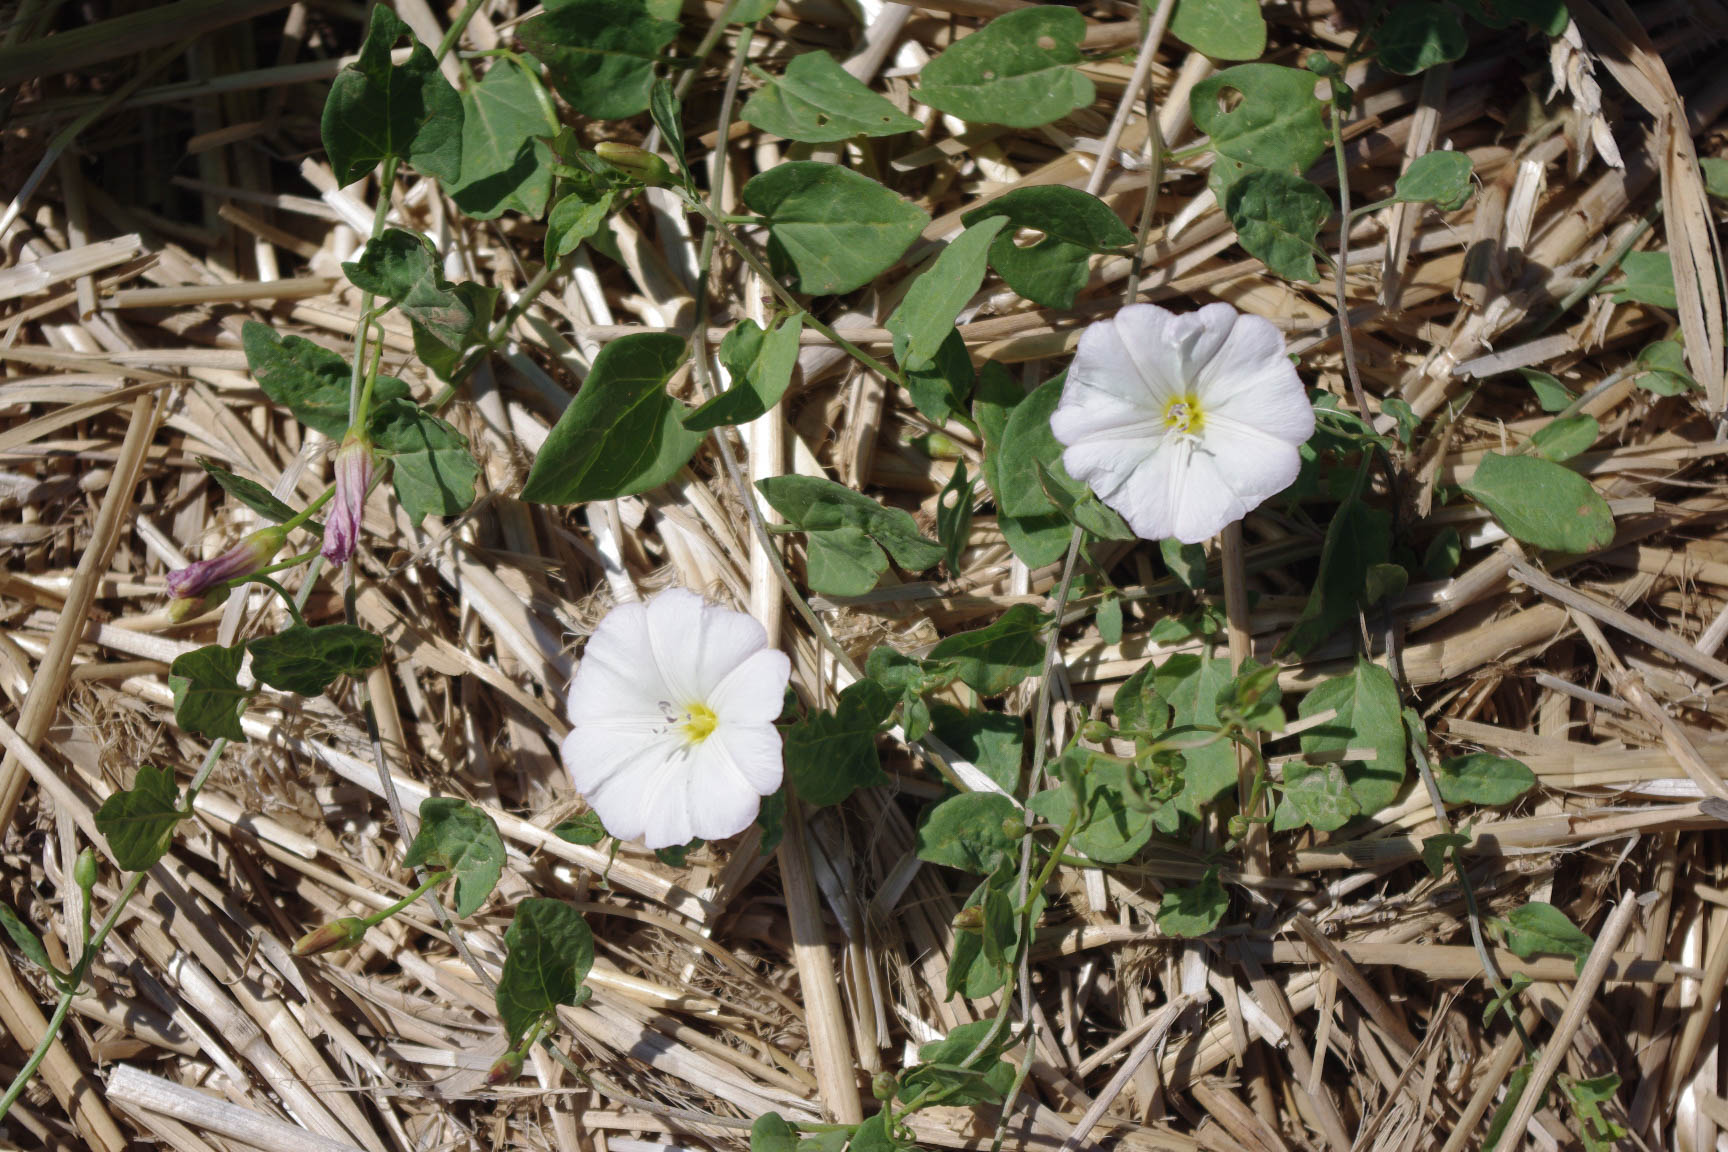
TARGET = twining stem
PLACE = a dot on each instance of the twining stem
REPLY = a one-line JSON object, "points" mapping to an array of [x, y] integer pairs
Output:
{"points": [[432, 881]]}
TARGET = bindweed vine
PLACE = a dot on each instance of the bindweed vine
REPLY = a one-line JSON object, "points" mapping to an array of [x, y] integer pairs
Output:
{"points": [[1167, 427]]}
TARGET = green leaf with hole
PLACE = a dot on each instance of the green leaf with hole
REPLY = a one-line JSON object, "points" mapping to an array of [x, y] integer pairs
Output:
{"points": [[309, 380], [831, 228], [1648, 279], [928, 310], [1017, 70], [1438, 178], [995, 658], [622, 434], [1418, 34], [549, 951], [1662, 370], [1369, 719], [249, 492], [1277, 217], [1317, 795], [1221, 29], [1565, 438], [966, 832], [459, 838], [1263, 116], [208, 699], [506, 166], [1542, 503], [600, 53], [1482, 779], [1054, 269], [139, 822], [760, 364], [308, 660], [1537, 928], [377, 109], [1191, 912], [818, 102], [431, 468], [830, 755]]}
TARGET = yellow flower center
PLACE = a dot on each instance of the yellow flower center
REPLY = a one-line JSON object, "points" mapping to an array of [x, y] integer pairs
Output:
{"points": [[1183, 416], [699, 723]]}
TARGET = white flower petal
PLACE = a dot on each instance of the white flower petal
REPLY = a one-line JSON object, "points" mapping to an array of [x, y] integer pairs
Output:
{"points": [[1257, 465], [753, 753], [674, 634], [754, 692], [614, 684], [722, 801], [1130, 356], [1085, 411], [1204, 501], [594, 756], [1146, 494], [1106, 464], [1251, 380], [668, 805]]}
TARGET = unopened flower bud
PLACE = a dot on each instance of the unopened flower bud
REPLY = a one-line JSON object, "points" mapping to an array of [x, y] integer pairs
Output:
{"points": [[1096, 731], [1238, 826], [354, 464], [84, 871], [639, 164], [197, 581], [969, 919], [504, 1069], [883, 1086], [1013, 827], [180, 611], [332, 937]]}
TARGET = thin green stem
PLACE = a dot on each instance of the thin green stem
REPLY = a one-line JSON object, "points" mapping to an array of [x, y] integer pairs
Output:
{"points": [[459, 26], [426, 886], [260, 578], [1357, 392], [307, 512]]}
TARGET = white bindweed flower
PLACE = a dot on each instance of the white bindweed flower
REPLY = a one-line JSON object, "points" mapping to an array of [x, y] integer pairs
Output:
{"points": [[1182, 424], [674, 707]]}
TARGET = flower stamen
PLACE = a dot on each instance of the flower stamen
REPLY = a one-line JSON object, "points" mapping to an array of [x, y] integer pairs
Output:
{"points": [[1183, 417], [698, 723]]}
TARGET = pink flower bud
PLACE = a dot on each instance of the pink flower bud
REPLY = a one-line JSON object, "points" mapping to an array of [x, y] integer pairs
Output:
{"points": [[196, 581], [354, 464], [505, 1069]]}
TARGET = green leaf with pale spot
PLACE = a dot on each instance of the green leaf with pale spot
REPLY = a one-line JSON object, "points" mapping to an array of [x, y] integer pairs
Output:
{"points": [[760, 364], [308, 660], [1483, 779], [600, 53], [928, 310], [404, 268], [140, 822], [1221, 29], [208, 699], [1075, 225], [377, 109], [549, 951], [461, 839], [431, 469], [819, 102], [1317, 795], [966, 832], [1438, 178], [506, 167], [1277, 217], [1418, 34], [1368, 718], [830, 227], [1017, 70], [1191, 912], [622, 434], [308, 379], [1543, 504]]}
